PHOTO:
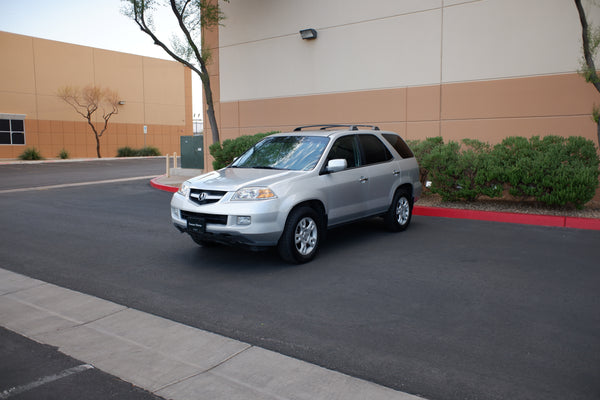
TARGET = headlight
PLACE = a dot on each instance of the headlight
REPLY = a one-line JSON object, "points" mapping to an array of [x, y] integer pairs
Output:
{"points": [[184, 190], [254, 193]]}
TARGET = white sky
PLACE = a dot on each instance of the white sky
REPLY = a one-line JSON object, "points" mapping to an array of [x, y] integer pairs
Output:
{"points": [[98, 23]]}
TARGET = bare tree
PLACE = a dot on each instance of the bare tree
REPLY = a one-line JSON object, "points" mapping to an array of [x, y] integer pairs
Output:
{"points": [[192, 16], [87, 101], [591, 42]]}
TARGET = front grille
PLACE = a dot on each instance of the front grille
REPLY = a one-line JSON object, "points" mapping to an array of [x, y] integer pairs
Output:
{"points": [[210, 218], [201, 197]]}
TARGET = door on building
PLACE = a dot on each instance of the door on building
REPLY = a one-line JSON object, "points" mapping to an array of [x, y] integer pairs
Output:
{"points": [[192, 151]]}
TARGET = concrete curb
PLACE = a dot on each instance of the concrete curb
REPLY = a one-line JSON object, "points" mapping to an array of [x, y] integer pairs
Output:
{"points": [[167, 188], [493, 216]]}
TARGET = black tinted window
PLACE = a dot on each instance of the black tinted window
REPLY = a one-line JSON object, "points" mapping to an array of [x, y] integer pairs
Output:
{"points": [[18, 138], [345, 148], [374, 151], [399, 145], [17, 125], [4, 137]]}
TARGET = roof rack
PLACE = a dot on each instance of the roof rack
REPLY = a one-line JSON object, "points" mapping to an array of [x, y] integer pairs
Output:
{"points": [[352, 127]]}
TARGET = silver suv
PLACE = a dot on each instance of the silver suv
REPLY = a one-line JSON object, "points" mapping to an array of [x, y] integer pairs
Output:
{"points": [[290, 187]]}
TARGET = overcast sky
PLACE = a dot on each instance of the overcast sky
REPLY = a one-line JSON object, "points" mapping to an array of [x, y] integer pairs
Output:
{"points": [[89, 23]]}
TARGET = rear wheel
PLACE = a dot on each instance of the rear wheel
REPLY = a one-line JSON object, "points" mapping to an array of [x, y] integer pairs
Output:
{"points": [[301, 236], [398, 216]]}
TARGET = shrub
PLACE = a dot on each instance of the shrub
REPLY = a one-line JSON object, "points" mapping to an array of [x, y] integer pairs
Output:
{"points": [[63, 155], [143, 152], [422, 150], [461, 171], [224, 153], [148, 151], [553, 170], [126, 152], [31, 153]]}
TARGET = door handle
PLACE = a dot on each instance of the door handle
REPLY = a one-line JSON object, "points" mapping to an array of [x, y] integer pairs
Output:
{"points": [[396, 172], [363, 179]]}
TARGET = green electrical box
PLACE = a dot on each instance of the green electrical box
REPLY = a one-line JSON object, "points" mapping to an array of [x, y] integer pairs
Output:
{"points": [[192, 151]]}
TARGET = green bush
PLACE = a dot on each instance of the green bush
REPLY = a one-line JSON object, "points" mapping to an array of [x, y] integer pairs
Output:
{"points": [[126, 152], [143, 152], [148, 151], [225, 152], [554, 170], [461, 171], [63, 155], [31, 153], [422, 150]]}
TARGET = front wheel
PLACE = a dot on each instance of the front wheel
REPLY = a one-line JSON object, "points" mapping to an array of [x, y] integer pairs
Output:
{"points": [[301, 236], [398, 216]]}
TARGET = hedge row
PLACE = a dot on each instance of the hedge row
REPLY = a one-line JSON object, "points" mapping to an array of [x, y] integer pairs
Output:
{"points": [[552, 170]]}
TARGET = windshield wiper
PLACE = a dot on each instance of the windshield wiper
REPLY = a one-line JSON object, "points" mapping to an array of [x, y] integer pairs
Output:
{"points": [[264, 167]]}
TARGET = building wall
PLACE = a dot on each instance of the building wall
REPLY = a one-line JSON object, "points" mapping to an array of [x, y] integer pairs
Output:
{"points": [[482, 69], [157, 94]]}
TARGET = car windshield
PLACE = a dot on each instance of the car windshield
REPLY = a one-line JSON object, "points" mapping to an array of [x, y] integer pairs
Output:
{"points": [[297, 153]]}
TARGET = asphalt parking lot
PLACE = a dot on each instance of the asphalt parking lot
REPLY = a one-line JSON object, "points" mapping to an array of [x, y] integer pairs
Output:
{"points": [[449, 309]]}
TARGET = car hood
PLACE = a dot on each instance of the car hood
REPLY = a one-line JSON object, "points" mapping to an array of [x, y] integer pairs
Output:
{"points": [[232, 179]]}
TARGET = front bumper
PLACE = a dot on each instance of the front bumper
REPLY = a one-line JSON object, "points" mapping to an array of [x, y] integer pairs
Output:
{"points": [[257, 223]]}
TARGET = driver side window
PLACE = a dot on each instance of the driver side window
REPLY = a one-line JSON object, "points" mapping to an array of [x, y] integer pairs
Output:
{"points": [[345, 148]]}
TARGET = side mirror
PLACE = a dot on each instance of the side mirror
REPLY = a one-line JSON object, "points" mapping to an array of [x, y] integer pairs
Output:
{"points": [[339, 164]]}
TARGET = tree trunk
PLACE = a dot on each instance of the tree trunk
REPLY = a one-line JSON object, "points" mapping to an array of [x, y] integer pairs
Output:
{"points": [[210, 108], [98, 146]]}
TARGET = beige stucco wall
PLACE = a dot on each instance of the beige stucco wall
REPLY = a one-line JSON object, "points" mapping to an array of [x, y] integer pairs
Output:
{"points": [[483, 69], [157, 93]]}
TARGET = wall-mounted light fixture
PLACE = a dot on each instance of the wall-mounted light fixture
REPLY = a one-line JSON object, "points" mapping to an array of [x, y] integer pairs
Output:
{"points": [[121, 102], [308, 34]]}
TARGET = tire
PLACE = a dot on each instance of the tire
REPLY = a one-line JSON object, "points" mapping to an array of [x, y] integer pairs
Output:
{"points": [[398, 216], [301, 236]]}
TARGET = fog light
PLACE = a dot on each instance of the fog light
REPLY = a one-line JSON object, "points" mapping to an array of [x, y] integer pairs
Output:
{"points": [[175, 213], [243, 220]]}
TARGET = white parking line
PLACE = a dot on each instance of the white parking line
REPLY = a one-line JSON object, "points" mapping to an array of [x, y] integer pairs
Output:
{"points": [[42, 381], [65, 185]]}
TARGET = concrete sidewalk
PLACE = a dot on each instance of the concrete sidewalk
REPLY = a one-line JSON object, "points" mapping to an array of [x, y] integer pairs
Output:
{"points": [[167, 358]]}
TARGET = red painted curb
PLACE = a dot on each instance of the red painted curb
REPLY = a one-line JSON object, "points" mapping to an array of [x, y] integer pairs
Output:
{"points": [[583, 223], [166, 188], [514, 218]]}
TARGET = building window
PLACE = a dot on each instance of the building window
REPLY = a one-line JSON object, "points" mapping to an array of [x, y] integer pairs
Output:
{"points": [[12, 129]]}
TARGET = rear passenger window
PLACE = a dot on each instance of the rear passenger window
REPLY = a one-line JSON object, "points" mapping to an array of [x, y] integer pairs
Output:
{"points": [[399, 145], [374, 151]]}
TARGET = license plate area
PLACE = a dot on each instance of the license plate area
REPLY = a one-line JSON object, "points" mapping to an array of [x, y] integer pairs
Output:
{"points": [[196, 225]]}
